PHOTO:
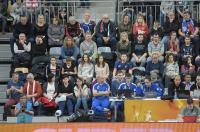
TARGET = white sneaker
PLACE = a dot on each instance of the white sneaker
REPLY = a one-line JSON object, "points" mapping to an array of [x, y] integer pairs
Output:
{"points": [[106, 109]]}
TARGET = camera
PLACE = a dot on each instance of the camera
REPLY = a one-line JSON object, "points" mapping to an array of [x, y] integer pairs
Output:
{"points": [[58, 113]]}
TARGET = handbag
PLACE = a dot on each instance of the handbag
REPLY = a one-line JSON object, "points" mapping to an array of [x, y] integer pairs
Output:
{"points": [[46, 102], [60, 98]]}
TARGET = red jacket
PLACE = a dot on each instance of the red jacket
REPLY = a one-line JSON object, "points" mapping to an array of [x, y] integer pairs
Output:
{"points": [[142, 27]]}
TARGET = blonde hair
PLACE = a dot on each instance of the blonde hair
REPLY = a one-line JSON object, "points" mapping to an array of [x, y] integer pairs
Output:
{"points": [[140, 16], [66, 43], [125, 34]]}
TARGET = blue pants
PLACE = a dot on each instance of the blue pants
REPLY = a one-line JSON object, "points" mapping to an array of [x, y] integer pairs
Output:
{"points": [[112, 43], [68, 104], [84, 102], [98, 105]]}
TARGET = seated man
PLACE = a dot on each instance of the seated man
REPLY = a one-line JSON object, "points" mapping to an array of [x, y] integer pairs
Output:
{"points": [[101, 91], [149, 86], [106, 33], [123, 64], [189, 28], [188, 82], [14, 90], [89, 47], [190, 110], [22, 50], [155, 46], [32, 90], [155, 65], [116, 81], [195, 86], [24, 26], [88, 25], [24, 111]]}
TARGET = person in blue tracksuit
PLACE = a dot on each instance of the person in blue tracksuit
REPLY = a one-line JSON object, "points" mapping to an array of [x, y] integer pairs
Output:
{"points": [[101, 91], [149, 86]]}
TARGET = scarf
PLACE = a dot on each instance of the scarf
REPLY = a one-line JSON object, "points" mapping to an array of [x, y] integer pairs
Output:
{"points": [[173, 45], [188, 26], [102, 28], [28, 87]]}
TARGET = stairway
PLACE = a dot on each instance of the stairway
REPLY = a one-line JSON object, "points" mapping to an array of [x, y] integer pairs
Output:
{"points": [[5, 65]]}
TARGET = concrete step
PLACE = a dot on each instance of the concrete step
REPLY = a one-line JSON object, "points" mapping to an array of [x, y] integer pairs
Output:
{"points": [[1, 109], [3, 88], [4, 72], [1, 117], [41, 119]]}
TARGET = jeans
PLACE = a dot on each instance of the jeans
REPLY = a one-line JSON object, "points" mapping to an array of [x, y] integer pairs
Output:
{"points": [[142, 63], [162, 18], [84, 102], [165, 39], [7, 106], [112, 43], [98, 104], [68, 104]]}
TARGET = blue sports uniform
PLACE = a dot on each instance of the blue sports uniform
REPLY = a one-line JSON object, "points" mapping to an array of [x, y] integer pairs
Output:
{"points": [[153, 88], [100, 102]]}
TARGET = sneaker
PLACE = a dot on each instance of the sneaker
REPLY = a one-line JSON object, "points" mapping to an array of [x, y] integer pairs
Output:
{"points": [[106, 109]]}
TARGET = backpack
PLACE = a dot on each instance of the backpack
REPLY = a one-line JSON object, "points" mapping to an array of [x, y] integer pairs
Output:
{"points": [[39, 71]]}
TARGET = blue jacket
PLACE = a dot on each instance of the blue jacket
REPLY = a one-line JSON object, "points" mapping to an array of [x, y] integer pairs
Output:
{"points": [[88, 27], [69, 52], [133, 88], [101, 87], [153, 88]]}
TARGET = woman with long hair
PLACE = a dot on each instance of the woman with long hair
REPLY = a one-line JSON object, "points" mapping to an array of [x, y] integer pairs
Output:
{"points": [[82, 93], [171, 69], [140, 27], [101, 67], [124, 45], [69, 49], [86, 69]]}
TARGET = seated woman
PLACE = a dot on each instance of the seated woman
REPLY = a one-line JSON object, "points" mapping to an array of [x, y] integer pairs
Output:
{"points": [[101, 67], [171, 69], [54, 68], [22, 50], [140, 27], [69, 49], [55, 33], [50, 91], [86, 69], [66, 90], [82, 93], [188, 67], [39, 48], [124, 45], [69, 68]]}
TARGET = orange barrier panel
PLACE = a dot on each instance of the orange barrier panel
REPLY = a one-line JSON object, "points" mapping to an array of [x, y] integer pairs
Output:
{"points": [[101, 127], [155, 110]]}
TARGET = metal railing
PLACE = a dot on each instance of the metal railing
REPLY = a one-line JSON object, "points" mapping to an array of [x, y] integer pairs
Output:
{"points": [[152, 9], [53, 8]]}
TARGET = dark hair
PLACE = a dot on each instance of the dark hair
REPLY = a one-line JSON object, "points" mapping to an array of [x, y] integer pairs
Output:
{"points": [[52, 57], [83, 82], [82, 59], [148, 77], [189, 100], [119, 71], [128, 75], [168, 55], [50, 76], [98, 63]]}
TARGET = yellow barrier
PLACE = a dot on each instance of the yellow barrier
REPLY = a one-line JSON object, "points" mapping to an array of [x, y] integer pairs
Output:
{"points": [[153, 110]]}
